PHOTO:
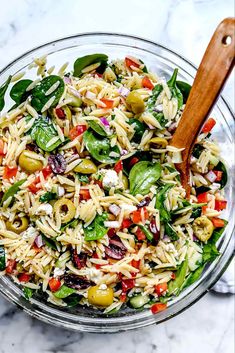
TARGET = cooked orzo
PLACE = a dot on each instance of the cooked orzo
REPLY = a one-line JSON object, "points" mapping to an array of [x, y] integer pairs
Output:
{"points": [[92, 210]]}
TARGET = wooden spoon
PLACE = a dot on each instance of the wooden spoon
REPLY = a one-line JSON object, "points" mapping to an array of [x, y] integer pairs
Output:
{"points": [[211, 76]]}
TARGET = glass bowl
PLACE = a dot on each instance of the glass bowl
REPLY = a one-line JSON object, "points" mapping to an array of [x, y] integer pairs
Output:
{"points": [[161, 60]]}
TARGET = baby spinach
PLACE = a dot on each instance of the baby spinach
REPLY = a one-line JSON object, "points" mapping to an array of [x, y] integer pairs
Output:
{"points": [[152, 99], [42, 132], [87, 60], [193, 276], [175, 92], [72, 300], [12, 191], [71, 224], [3, 90], [39, 97], [28, 292], [83, 178], [139, 129], [142, 176], [100, 148], [97, 128], [48, 196], [175, 285], [64, 292], [221, 167], [217, 233], [185, 89], [2, 259], [161, 195], [96, 230], [197, 150], [169, 230], [18, 92], [51, 243], [210, 252]]}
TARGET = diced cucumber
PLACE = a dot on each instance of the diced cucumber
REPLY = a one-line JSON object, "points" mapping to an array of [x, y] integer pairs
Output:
{"points": [[139, 300]]}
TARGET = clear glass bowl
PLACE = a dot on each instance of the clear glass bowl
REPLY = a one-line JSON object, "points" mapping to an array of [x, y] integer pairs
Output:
{"points": [[161, 60]]}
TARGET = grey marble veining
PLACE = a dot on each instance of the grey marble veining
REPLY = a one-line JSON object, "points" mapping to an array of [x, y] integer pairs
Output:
{"points": [[185, 26]]}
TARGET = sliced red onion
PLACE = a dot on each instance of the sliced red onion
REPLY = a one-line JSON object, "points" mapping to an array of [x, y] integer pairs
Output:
{"points": [[172, 127], [151, 127], [90, 95], [74, 92], [123, 91], [211, 176], [114, 209], [124, 152], [111, 224], [104, 121], [155, 231], [39, 241], [67, 80]]}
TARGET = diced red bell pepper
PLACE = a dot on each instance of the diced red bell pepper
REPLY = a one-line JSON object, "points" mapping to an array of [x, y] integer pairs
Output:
{"points": [[217, 222], [126, 223], [173, 276], [140, 234], [137, 215], [9, 172], [118, 166], [54, 284], [156, 308], [107, 102], [208, 126], [218, 174], [220, 205], [60, 113], [202, 198], [95, 255], [130, 63], [133, 161], [2, 148], [111, 232], [33, 186], [161, 288], [146, 83], [123, 297], [77, 131], [24, 277], [47, 171], [127, 284], [85, 194], [11, 265], [135, 263], [98, 182]]}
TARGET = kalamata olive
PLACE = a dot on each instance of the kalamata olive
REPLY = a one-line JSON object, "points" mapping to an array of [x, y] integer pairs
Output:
{"points": [[79, 261], [116, 250], [77, 282], [144, 202], [154, 231], [57, 163]]}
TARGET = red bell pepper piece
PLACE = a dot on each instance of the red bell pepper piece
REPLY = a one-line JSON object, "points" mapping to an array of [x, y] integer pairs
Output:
{"points": [[127, 284], [130, 63], [107, 102], [24, 277], [85, 194], [77, 131], [126, 223], [123, 297], [118, 166], [140, 235], [135, 263], [202, 198], [208, 126], [217, 222], [220, 205], [9, 172], [146, 83], [156, 308], [47, 171], [11, 264], [218, 174], [2, 148], [137, 215], [161, 288], [133, 161], [54, 284]]}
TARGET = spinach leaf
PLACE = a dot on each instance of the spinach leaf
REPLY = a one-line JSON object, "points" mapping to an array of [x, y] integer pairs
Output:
{"points": [[64, 292], [196, 212], [83, 178], [139, 129], [185, 89], [169, 230], [18, 92], [42, 132], [174, 89], [28, 292], [39, 97], [160, 118], [197, 150], [142, 176], [217, 233], [2, 259], [193, 276], [160, 198], [221, 167], [175, 285], [72, 300], [96, 230], [3, 90], [88, 60], [152, 99], [51, 243], [48, 196], [146, 231], [97, 128], [210, 252], [173, 170], [71, 224], [100, 148], [12, 191]]}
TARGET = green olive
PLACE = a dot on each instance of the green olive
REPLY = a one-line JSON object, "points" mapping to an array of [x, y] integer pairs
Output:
{"points": [[18, 226], [203, 228], [74, 101], [86, 167], [60, 120], [29, 163], [66, 209], [159, 142], [100, 297], [125, 182], [135, 102]]}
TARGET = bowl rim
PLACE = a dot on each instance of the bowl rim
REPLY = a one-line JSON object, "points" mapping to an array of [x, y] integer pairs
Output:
{"points": [[77, 325]]}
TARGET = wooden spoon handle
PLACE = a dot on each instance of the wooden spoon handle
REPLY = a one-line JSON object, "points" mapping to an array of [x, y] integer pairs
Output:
{"points": [[211, 76]]}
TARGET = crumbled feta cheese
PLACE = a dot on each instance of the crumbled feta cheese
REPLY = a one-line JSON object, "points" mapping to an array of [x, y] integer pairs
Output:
{"points": [[60, 191], [110, 179], [93, 274], [30, 232], [45, 208], [48, 186], [58, 272], [171, 249], [103, 286], [127, 207]]}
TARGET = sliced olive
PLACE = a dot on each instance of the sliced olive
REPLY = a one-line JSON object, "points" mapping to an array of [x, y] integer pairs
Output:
{"points": [[66, 209], [18, 226], [60, 119], [29, 163], [74, 101], [135, 102], [158, 142], [86, 167], [100, 297], [203, 228]]}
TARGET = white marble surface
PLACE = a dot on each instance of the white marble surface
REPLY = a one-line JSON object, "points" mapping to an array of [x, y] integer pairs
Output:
{"points": [[184, 26]]}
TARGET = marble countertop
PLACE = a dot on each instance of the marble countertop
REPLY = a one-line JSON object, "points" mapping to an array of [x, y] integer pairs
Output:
{"points": [[185, 26]]}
